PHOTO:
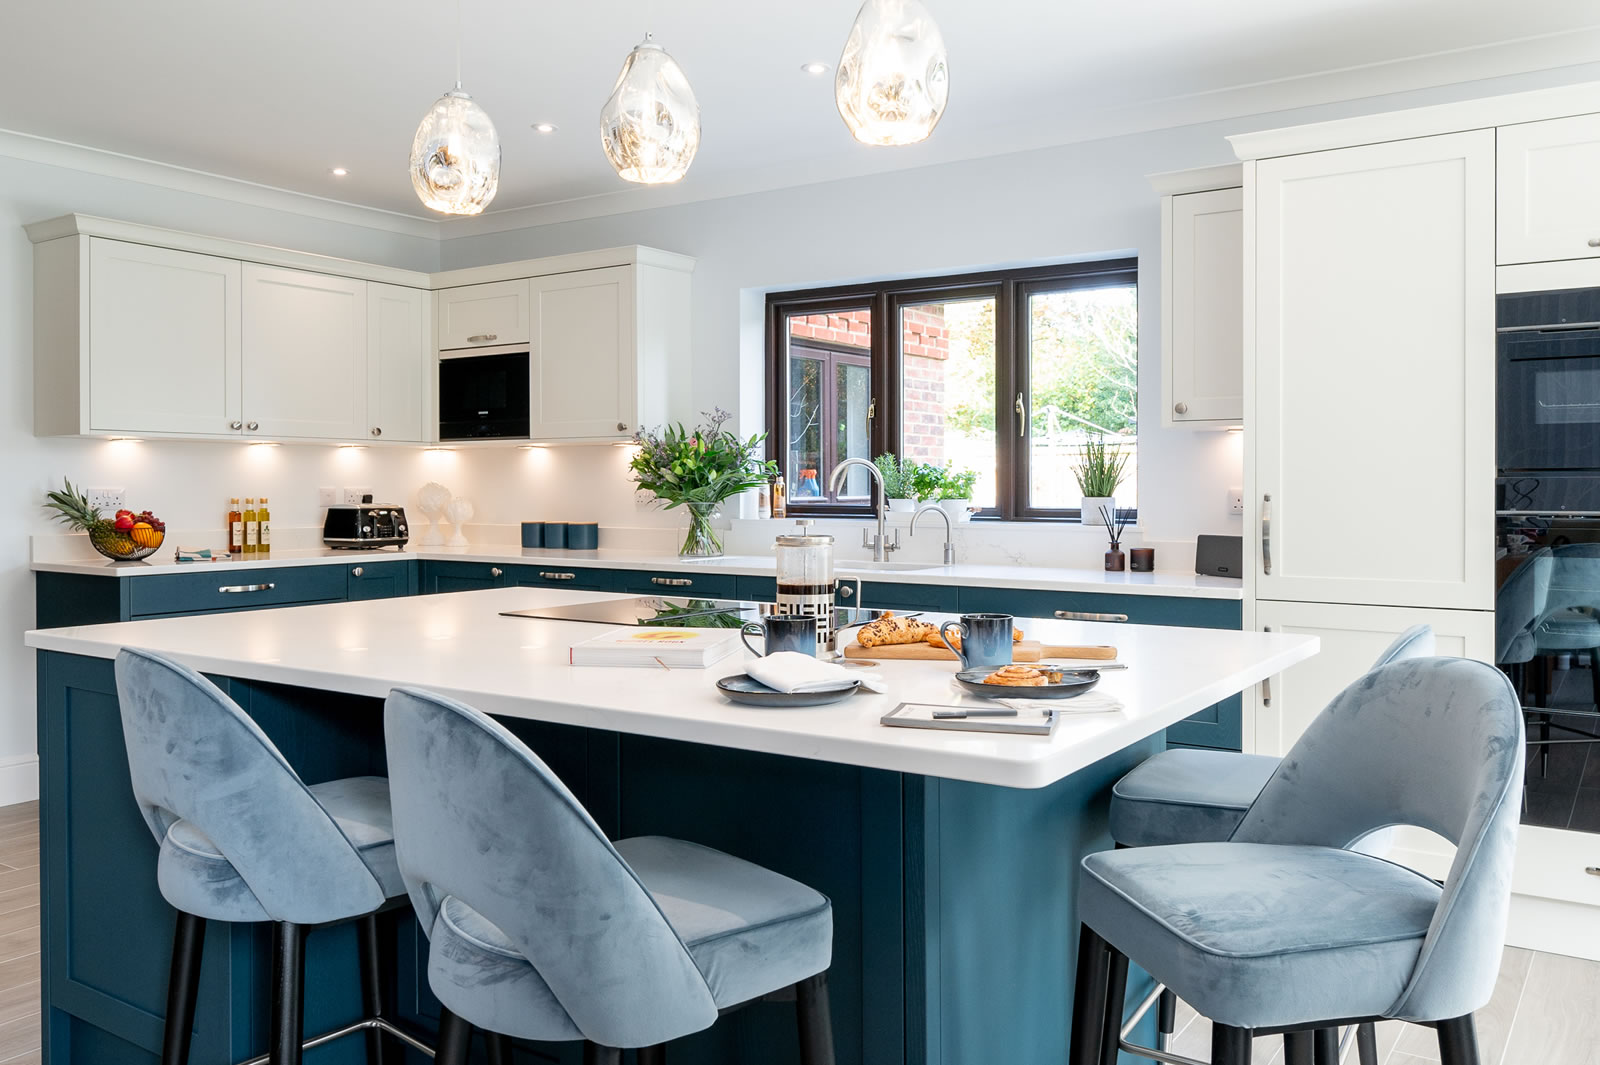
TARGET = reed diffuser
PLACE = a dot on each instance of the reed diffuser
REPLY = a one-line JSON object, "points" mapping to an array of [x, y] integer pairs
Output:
{"points": [[1116, 561]]}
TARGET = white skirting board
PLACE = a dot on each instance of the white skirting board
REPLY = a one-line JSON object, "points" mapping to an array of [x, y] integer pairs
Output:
{"points": [[19, 780], [1554, 926]]}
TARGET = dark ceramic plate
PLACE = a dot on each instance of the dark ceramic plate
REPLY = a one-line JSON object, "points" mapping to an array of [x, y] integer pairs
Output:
{"points": [[741, 688], [1073, 682]]}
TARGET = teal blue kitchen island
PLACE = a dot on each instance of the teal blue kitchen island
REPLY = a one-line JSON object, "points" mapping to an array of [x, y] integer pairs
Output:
{"points": [[951, 859]]}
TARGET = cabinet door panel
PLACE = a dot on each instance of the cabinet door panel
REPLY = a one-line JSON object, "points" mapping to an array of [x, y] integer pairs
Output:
{"points": [[1374, 373], [397, 354], [305, 354], [483, 315], [1205, 328], [1547, 207], [583, 373], [164, 340]]}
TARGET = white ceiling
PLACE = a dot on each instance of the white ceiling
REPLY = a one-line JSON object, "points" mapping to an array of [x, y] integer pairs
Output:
{"points": [[278, 91]]}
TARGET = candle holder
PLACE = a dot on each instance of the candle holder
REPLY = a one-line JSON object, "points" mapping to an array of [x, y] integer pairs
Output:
{"points": [[1142, 559]]}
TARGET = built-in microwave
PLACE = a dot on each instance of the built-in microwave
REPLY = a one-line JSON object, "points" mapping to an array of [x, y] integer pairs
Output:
{"points": [[483, 394], [1548, 381]]}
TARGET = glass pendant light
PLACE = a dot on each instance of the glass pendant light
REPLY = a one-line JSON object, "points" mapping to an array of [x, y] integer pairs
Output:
{"points": [[894, 75], [455, 156], [650, 127]]}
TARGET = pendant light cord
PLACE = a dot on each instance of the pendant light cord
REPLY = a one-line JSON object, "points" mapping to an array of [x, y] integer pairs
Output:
{"points": [[458, 45]]}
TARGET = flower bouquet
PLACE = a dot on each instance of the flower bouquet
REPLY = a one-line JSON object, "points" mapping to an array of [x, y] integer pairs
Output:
{"points": [[699, 468]]}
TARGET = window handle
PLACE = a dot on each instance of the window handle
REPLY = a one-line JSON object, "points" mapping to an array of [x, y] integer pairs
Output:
{"points": [[1022, 416], [872, 408]]}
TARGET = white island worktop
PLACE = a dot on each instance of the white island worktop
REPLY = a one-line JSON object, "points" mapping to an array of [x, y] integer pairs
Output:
{"points": [[459, 644]]}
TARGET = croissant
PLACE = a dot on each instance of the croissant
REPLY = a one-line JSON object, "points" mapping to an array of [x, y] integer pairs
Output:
{"points": [[892, 630]]}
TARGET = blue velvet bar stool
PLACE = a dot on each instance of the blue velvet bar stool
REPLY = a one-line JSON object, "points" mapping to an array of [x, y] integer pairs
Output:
{"points": [[243, 839], [540, 928], [1285, 928], [1195, 796]]}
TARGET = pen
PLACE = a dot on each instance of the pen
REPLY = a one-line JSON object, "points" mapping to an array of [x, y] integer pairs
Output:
{"points": [[947, 714]]}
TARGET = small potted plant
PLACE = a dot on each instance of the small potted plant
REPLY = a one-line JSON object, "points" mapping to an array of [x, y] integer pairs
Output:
{"points": [[896, 483], [1099, 471], [955, 493], [699, 469], [923, 480]]}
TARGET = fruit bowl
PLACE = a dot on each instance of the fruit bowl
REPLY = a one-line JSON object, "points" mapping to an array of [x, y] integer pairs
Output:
{"points": [[125, 545]]}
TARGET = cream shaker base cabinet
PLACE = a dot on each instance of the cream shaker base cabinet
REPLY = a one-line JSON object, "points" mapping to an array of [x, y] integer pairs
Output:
{"points": [[134, 339], [1546, 196], [476, 316], [305, 355], [1202, 324], [397, 363], [1372, 392]]}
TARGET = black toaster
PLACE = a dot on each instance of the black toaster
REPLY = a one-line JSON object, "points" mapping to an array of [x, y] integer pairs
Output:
{"points": [[365, 526]]}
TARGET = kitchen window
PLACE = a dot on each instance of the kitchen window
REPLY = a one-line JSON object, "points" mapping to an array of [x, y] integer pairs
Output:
{"points": [[1006, 374]]}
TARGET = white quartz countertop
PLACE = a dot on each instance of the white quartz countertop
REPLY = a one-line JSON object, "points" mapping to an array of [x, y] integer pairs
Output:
{"points": [[458, 644], [1040, 578]]}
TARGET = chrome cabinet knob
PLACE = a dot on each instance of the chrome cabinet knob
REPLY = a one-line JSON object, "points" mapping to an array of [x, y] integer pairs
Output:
{"points": [[1594, 242], [356, 572], [1180, 408], [376, 431], [622, 427], [236, 426], [253, 426], [495, 571]]}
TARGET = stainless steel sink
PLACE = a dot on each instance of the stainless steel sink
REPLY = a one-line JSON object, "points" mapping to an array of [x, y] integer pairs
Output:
{"points": [[851, 566]]}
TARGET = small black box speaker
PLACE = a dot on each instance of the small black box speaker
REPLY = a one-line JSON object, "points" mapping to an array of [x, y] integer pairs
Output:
{"points": [[1219, 556]]}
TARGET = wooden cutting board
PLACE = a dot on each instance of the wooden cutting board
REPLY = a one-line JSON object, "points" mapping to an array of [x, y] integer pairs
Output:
{"points": [[1022, 651]]}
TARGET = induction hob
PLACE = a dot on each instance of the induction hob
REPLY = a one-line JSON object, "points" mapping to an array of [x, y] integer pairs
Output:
{"points": [[652, 610]]}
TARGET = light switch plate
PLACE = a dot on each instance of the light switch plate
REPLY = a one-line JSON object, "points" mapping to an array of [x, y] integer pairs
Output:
{"points": [[327, 496], [109, 500], [354, 494]]}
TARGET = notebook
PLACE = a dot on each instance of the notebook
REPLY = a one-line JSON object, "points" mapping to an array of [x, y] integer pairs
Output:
{"points": [[1033, 721], [657, 648]]}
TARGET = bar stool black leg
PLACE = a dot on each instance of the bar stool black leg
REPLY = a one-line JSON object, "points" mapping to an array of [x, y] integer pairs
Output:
{"points": [[1116, 1000], [1326, 1042], [815, 1018], [455, 1040], [1230, 1045], [183, 982], [370, 946], [1166, 1017], [1458, 1041], [1367, 1043], [500, 1048], [1298, 1048], [594, 1054], [288, 993], [656, 1055], [1089, 997]]}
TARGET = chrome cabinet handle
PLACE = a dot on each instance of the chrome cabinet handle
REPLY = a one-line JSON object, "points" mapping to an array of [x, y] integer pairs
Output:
{"points": [[495, 571], [1266, 532], [357, 572], [1022, 416], [1594, 242], [483, 338], [227, 589], [1180, 407], [236, 425], [557, 576], [1592, 870], [1266, 685], [376, 431], [253, 426], [672, 582], [1087, 615]]}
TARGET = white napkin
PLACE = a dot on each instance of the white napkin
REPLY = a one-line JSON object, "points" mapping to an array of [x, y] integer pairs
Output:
{"points": [[791, 672]]}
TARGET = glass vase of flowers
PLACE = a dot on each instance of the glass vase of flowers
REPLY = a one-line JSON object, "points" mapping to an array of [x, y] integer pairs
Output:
{"points": [[699, 469]]}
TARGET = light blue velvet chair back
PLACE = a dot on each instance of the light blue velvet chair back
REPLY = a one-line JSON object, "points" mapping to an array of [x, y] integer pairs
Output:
{"points": [[478, 817], [1415, 642], [1431, 742], [1574, 582], [195, 756], [1520, 605]]}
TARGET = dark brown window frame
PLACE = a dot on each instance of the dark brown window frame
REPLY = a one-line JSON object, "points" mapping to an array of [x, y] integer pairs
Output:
{"points": [[1010, 289]]}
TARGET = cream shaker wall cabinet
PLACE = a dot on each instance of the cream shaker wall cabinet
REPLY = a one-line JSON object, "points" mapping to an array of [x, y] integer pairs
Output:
{"points": [[1202, 307]]}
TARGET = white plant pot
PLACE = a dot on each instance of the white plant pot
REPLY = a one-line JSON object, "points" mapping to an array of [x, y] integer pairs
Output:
{"points": [[1090, 508], [957, 509], [902, 506]]}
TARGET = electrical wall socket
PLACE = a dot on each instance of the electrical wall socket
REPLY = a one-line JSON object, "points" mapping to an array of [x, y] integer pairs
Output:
{"points": [[327, 496], [1236, 502], [109, 500], [353, 495]]}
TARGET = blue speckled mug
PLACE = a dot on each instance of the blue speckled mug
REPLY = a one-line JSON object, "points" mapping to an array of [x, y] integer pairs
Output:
{"points": [[985, 639]]}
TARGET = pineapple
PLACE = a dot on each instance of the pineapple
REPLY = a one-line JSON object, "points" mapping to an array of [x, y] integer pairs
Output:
{"points": [[73, 508]]}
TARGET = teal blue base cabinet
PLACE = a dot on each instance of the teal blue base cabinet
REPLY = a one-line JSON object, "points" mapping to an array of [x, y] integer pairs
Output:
{"points": [[955, 913]]}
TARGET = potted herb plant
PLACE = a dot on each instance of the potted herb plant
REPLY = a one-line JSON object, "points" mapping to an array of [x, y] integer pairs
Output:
{"points": [[955, 492], [896, 482], [924, 480], [699, 469], [1100, 469]]}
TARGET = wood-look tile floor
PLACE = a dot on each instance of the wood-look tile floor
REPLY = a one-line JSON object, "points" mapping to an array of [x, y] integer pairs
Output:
{"points": [[1543, 1011]]}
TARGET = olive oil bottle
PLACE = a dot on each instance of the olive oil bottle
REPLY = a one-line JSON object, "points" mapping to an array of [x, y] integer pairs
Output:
{"points": [[263, 530], [251, 529], [235, 528]]}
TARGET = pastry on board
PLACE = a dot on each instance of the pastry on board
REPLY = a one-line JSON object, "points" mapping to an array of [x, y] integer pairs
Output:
{"points": [[890, 630]]}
